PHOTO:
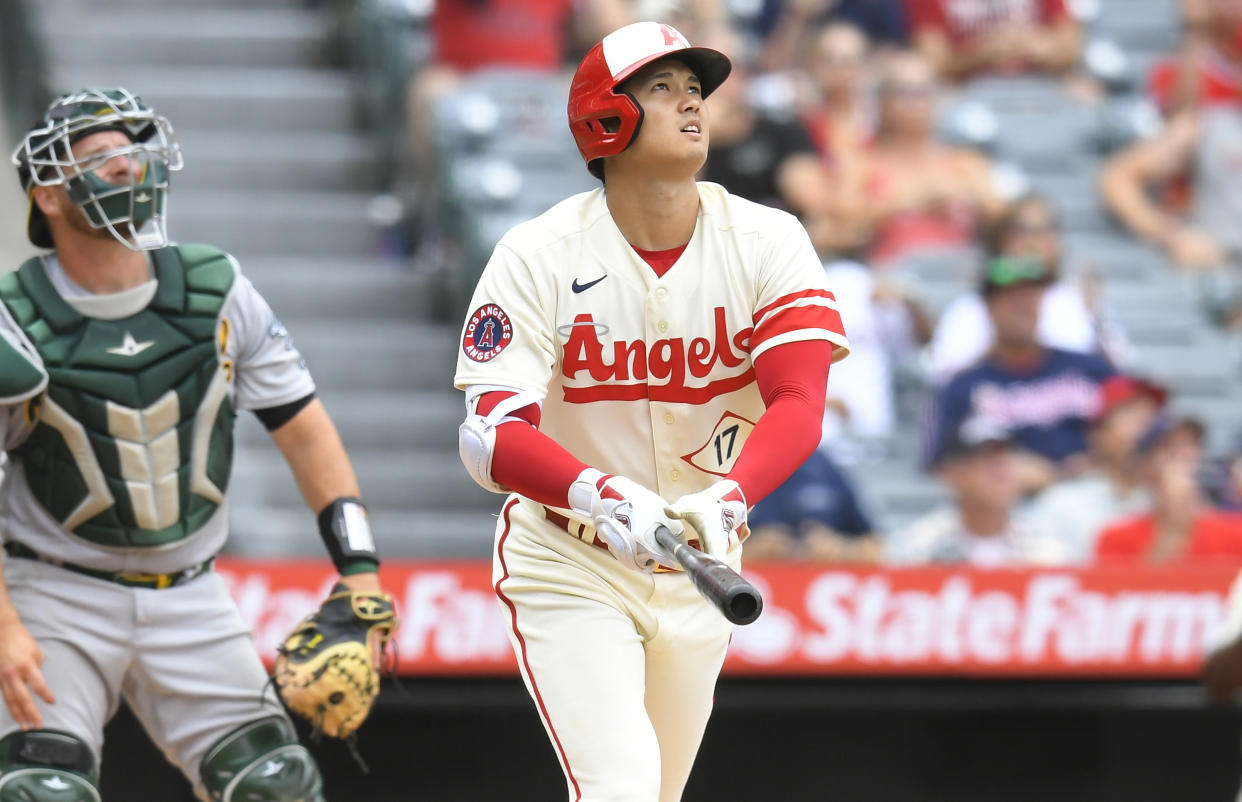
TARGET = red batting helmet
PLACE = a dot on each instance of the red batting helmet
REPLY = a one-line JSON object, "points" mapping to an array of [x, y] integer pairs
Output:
{"points": [[593, 96]]}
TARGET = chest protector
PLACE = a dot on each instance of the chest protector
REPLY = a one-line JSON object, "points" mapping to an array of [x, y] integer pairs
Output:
{"points": [[133, 444]]}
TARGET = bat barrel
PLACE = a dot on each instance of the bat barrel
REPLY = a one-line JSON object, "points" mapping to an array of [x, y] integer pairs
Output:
{"points": [[738, 600], [744, 604]]}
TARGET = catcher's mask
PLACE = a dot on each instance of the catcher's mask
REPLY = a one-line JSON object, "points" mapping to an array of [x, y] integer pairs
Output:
{"points": [[133, 210], [604, 120]]}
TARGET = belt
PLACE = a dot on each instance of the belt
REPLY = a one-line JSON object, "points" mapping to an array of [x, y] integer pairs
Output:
{"points": [[586, 533], [126, 578]]}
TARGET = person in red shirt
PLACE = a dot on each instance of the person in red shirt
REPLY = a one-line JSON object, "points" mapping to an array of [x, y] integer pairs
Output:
{"points": [[1180, 527], [921, 195], [1208, 68], [963, 38]]}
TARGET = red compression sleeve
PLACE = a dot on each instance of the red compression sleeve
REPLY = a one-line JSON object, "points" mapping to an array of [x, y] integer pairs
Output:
{"points": [[526, 460], [793, 380]]}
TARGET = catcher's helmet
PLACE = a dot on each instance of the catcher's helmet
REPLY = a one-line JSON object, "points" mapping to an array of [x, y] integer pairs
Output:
{"points": [[133, 211], [593, 96]]}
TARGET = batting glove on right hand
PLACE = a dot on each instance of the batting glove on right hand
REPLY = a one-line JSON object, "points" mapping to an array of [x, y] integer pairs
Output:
{"points": [[625, 515], [713, 515]]}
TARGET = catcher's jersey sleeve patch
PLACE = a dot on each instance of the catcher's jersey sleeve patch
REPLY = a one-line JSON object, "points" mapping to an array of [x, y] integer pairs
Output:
{"points": [[487, 333]]}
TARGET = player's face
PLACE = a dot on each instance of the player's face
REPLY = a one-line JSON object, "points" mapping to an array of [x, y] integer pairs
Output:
{"points": [[674, 134], [97, 153]]}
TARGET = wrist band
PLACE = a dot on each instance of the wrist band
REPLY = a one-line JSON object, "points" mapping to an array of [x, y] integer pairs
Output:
{"points": [[346, 531]]}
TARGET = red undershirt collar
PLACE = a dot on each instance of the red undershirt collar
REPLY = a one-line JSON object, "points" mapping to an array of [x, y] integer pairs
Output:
{"points": [[660, 261]]}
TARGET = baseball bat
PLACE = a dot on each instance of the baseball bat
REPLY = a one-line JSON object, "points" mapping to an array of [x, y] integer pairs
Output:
{"points": [[738, 600]]}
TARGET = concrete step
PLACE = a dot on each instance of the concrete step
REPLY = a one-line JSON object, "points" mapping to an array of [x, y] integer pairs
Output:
{"points": [[186, 35], [233, 98], [379, 356], [343, 288], [404, 480], [250, 223], [399, 534], [1201, 371], [274, 160], [369, 420]]}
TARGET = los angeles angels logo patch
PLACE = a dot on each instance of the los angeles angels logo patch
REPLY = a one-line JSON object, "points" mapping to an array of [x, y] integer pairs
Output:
{"points": [[488, 332]]}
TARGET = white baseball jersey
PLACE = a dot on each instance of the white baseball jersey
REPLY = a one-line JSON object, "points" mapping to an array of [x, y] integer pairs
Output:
{"points": [[650, 377], [645, 376]]}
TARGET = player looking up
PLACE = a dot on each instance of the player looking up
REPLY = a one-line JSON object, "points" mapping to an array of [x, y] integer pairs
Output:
{"points": [[653, 352], [123, 358]]}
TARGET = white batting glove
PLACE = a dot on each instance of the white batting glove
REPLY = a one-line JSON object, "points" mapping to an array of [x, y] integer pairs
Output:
{"points": [[713, 515], [625, 515]]}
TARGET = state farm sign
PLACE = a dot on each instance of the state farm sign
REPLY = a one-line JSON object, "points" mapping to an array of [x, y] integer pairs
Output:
{"points": [[931, 621], [816, 620]]}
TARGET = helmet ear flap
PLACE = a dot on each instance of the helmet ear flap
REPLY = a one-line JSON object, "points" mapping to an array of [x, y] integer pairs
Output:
{"points": [[608, 131]]}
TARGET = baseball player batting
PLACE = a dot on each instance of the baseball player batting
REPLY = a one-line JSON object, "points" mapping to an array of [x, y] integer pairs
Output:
{"points": [[123, 358], [653, 353]]}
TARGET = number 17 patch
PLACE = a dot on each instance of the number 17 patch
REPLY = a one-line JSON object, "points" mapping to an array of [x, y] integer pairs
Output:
{"points": [[718, 454]]}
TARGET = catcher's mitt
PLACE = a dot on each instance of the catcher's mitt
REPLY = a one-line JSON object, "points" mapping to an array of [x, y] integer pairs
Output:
{"points": [[328, 668]]}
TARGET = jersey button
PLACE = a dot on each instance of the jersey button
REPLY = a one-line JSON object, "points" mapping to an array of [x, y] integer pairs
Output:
{"points": [[662, 325], [668, 417], [661, 292], [674, 474]]}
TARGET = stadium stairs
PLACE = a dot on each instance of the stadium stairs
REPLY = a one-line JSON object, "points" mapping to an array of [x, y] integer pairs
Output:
{"points": [[279, 172]]}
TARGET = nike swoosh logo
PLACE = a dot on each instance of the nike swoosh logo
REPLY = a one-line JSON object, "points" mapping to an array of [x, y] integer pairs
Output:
{"points": [[576, 287]]}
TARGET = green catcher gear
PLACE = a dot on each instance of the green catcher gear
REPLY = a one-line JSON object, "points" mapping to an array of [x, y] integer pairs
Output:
{"points": [[132, 211], [46, 766], [133, 440], [261, 762]]}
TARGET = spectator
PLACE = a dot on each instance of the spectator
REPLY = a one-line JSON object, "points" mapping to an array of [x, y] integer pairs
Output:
{"points": [[920, 195], [814, 515], [1071, 316], [758, 156], [1208, 69], [1225, 480], [978, 527], [1180, 527], [788, 25], [468, 35], [1204, 144], [886, 327], [1078, 508], [965, 38], [840, 116], [1042, 396]]}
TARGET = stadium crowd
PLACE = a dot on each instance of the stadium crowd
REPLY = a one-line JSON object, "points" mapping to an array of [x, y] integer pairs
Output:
{"points": [[1035, 413]]}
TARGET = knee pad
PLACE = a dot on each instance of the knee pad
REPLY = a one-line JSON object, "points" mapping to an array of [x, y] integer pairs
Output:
{"points": [[46, 766], [261, 762]]}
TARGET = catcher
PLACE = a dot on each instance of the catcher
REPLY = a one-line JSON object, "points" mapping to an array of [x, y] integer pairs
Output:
{"points": [[123, 360]]}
